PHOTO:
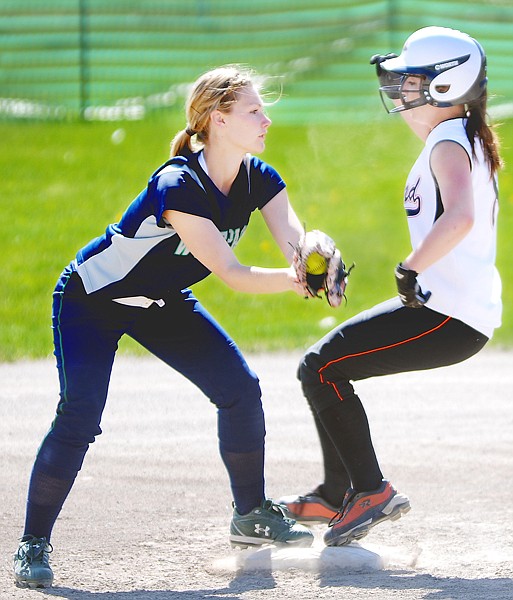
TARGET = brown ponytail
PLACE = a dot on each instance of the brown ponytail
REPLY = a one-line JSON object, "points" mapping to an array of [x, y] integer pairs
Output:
{"points": [[477, 126]]}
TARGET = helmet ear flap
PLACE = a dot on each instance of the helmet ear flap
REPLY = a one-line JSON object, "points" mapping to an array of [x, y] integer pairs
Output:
{"points": [[463, 82]]}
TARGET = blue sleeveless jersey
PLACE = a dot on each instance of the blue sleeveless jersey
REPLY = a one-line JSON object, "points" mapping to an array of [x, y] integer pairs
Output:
{"points": [[142, 255]]}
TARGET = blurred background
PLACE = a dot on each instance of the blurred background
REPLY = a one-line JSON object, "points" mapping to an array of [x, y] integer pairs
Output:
{"points": [[123, 59], [91, 92]]}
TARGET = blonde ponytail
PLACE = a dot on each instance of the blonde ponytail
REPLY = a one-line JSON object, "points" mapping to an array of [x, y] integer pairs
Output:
{"points": [[181, 144]]}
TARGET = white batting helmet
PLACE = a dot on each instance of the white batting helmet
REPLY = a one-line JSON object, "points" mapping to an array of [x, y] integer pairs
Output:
{"points": [[452, 64]]}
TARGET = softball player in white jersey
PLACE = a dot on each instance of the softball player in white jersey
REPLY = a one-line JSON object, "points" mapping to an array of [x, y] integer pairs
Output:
{"points": [[134, 279], [449, 291]]}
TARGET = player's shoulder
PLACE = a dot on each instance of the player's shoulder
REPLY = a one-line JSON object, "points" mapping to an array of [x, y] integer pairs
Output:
{"points": [[259, 168], [178, 171], [254, 162], [452, 130]]}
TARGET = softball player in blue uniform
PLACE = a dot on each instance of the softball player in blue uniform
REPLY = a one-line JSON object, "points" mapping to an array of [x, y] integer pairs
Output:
{"points": [[441, 317], [134, 280]]}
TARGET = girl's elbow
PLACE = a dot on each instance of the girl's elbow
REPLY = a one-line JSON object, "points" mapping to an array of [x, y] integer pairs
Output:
{"points": [[230, 276], [467, 221]]}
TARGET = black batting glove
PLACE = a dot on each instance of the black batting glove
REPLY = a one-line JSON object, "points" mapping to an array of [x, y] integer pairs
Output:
{"points": [[409, 289]]}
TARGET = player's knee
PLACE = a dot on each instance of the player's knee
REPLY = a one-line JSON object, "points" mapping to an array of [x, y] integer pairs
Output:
{"points": [[308, 370], [60, 458], [320, 390], [237, 388], [241, 426]]}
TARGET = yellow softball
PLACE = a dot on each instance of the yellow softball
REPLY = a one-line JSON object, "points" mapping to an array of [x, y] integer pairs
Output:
{"points": [[316, 264]]}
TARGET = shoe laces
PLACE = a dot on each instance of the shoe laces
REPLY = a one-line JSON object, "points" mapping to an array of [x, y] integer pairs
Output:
{"points": [[350, 494], [276, 509], [33, 549], [313, 494]]}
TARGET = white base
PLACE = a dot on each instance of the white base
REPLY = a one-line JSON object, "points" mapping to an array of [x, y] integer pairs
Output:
{"points": [[315, 559]]}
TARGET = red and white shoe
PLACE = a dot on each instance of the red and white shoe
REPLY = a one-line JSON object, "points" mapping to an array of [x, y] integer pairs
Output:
{"points": [[361, 511], [311, 508]]}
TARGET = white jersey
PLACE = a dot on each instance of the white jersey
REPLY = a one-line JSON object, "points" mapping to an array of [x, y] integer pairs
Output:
{"points": [[464, 284]]}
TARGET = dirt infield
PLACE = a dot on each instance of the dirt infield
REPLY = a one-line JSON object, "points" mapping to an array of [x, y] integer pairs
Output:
{"points": [[148, 517]]}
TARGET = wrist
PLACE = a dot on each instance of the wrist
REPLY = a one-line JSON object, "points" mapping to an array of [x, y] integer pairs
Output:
{"points": [[403, 267]]}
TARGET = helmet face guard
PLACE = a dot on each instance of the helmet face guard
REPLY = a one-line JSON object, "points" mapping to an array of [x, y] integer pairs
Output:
{"points": [[391, 86], [389, 93], [450, 67]]}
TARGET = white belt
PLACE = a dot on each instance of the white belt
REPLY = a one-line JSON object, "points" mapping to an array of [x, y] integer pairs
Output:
{"points": [[140, 301]]}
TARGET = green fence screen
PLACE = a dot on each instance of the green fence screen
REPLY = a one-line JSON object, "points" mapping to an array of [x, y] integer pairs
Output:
{"points": [[123, 59]]}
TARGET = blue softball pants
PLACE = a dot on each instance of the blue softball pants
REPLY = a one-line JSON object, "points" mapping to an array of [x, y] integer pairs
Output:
{"points": [[87, 329]]}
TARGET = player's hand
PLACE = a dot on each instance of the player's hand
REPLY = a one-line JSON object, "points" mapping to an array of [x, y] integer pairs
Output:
{"points": [[409, 289], [295, 283], [319, 267]]}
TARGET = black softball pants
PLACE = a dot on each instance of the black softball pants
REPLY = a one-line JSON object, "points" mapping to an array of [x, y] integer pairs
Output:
{"points": [[386, 339]]}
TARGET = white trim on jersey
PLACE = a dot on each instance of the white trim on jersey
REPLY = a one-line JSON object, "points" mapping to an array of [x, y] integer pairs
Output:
{"points": [[115, 262]]}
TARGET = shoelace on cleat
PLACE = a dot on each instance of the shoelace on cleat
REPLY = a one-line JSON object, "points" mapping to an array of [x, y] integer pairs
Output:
{"points": [[313, 494], [276, 509], [33, 549], [350, 494]]}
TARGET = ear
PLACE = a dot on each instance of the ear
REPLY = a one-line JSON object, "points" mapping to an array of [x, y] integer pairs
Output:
{"points": [[217, 118]]}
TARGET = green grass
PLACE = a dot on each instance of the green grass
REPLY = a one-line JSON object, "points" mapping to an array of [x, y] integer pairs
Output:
{"points": [[62, 183]]}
